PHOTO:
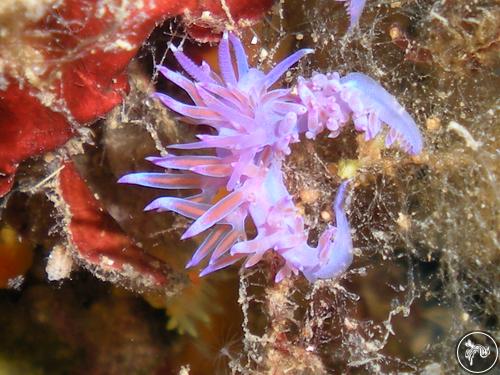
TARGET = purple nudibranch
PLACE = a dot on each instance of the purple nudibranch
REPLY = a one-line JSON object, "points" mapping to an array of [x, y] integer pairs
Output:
{"points": [[254, 126]]}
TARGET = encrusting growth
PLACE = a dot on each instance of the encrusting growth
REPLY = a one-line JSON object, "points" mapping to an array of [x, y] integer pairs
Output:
{"points": [[255, 126]]}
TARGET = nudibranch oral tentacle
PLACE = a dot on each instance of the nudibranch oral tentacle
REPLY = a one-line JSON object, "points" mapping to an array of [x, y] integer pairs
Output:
{"points": [[254, 127]]}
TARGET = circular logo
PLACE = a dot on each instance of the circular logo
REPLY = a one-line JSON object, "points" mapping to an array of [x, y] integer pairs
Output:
{"points": [[477, 352]]}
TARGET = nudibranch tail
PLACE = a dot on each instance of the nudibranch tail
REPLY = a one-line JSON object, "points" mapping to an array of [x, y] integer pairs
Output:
{"points": [[335, 257]]}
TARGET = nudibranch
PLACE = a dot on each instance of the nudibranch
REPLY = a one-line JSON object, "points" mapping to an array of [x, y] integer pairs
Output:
{"points": [[254, 125]]}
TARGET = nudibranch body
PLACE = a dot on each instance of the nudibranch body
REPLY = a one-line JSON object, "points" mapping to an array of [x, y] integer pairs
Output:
{"points": [[254, 126]]}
